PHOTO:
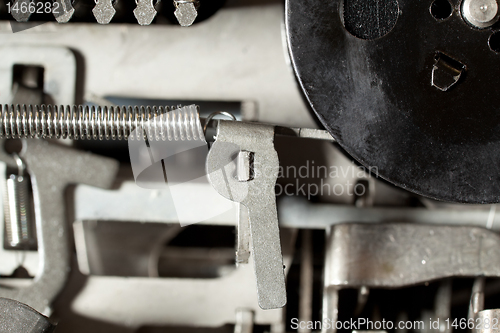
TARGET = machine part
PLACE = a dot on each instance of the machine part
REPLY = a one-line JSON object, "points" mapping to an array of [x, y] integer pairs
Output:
{"points": [[477, 298], [244, 168], [128, 201], [27, 86], [135, 301], [199, 74], [442, 305], [84, 122], [363, 294], [330, 309], [299, 213], [115, 122], [306, 281], [64, 10], [446, 72], [16, 317], [186, 11], [306, 133], [490, 321], [258, 195], [397, 255], [480, 13], [12, 259], [20, 10], [374, 96], [215, 114], [145, 12], [104, 11], [243, 242], [52, 169], [486, 321], [17, 210], [59, 71], [244, 321]]}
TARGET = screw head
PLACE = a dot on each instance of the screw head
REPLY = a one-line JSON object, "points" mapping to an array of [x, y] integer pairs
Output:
{"points": [[186, 13], [480, 13]]}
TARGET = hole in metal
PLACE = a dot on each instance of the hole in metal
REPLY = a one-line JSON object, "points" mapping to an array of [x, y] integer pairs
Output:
{"points": [[441, 9], [494, 42]]}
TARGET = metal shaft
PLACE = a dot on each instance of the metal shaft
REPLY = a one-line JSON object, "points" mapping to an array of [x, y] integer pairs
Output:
{"points": [[84, 122]]}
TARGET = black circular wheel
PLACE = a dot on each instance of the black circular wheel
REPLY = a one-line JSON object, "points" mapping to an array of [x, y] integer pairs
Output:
{"points": [[406, 87]]}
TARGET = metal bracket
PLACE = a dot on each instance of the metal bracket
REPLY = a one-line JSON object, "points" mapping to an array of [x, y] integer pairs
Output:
{"points": [[53, 168], [242, 166]]}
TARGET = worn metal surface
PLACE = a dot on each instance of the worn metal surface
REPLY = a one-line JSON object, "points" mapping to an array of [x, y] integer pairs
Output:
{"points": [[129, 202], [185, 11], [306, 281], [488, 321], [257, 194], [16, 317], [243, 39], [135, 302], [306, 133], [244, 321], [59, 70], [330, 306], [442, 305], [397, 255], [64, 11], [375, 97], [104, 11], [480, 13], [53, 168], [21, 15], [243, 249], [145, 12], [446, 72], [299, 213]]}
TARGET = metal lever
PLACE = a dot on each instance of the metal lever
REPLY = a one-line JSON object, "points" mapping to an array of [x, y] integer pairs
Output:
{"points": [[242, 166]]}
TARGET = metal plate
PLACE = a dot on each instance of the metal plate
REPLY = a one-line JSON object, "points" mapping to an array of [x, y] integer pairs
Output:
{"points": [[375, 97]]}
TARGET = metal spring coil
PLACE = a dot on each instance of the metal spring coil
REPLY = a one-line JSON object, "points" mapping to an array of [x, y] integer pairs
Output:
{"points": [[85, 122]]}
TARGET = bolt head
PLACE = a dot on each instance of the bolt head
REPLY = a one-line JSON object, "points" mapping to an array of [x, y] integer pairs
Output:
{"points": [[480, 13], [186, 13]]}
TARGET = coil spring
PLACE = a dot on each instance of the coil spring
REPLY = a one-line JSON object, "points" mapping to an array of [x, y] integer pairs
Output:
{"points": [[85, 122]]}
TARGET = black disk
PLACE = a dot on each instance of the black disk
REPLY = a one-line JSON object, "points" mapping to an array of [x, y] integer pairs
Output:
{"points": [[366, 68]]}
